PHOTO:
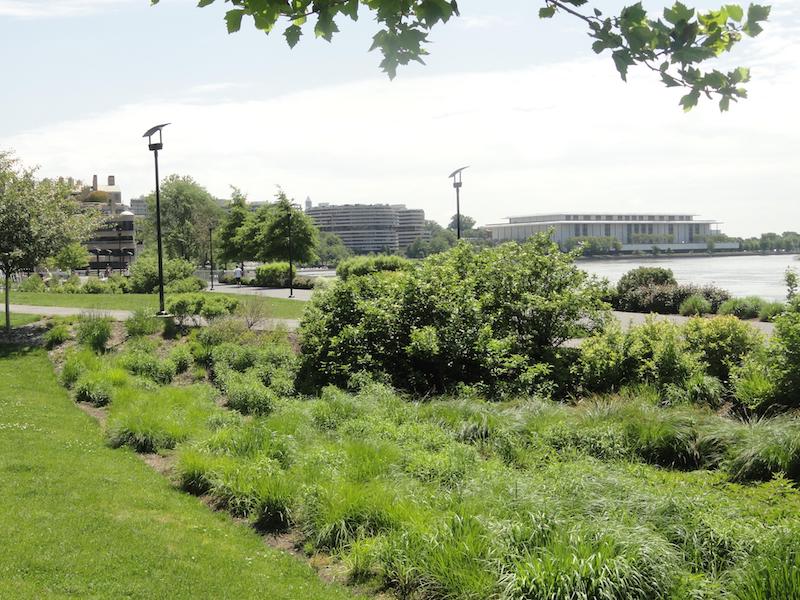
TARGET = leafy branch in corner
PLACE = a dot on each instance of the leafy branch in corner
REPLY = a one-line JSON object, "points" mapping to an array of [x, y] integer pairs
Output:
{"points": [[673, 46]]}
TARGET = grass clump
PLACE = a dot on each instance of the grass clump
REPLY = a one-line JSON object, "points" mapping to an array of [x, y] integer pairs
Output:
{"points": [[695, 305], [742, 308], [94, 388], [154, 420], [246, 393], [56, 335], [770, 311], [94, 331], [767, 447], [142, 323]]}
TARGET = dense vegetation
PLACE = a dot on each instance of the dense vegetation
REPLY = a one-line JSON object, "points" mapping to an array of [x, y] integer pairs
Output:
{"points": [[80, 520], [492, 318], [642, 492], [660, 462]]}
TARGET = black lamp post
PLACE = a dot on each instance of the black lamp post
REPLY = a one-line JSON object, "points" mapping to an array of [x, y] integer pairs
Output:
{"points": [[456, 176], [155, 147], [118, 228], [96, 252], [211, 253]]}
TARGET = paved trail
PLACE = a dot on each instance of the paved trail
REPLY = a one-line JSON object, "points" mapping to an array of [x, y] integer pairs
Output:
{"points": [[627, 319], [121, 315]]}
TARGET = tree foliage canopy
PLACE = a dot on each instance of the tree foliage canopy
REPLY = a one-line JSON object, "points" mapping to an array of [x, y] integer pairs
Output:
{"points": [[673, 45], [38, 218], [187, 212]]}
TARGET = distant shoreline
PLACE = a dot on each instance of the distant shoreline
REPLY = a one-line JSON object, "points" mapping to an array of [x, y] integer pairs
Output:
{"points": [[664, 256]]}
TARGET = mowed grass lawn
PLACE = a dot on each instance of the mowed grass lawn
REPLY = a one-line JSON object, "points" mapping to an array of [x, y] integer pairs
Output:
{"points": [[280, 308], [18, 319], [80, 520]]}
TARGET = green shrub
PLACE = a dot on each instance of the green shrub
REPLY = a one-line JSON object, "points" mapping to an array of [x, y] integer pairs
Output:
{"points": [[181, 357], [56, 336], [274, 274], [695, 305], [364, 265], [150, 421], [247, 394], [768, 447], [93, 285], [194, 306], [784, 358], [603, 364], [772, 573], [657, 354], [452, 320], [667, 299], [144, 273], [238, 357], [94, 388], [185, 285], [76, 364], [770, 311], [33, 283], [222, 330], [142, 360], [94, 331], [141, 323], [742, 308], [721, 342], [644, 276]]}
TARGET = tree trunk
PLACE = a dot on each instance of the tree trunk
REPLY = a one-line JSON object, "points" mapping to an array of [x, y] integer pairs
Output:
{"points": [[8, 304]]}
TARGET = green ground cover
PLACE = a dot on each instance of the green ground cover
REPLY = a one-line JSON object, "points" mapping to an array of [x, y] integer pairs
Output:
{"points": [[80, 520], [18, 319], [279, 308], [614, 496]]}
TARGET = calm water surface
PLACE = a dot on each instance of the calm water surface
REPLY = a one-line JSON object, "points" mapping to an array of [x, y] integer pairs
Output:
{"points": [[740, 275]]}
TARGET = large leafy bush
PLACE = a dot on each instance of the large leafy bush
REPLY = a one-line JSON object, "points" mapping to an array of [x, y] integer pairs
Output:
{"points": [[275, 274], [364, 265], [144, 273], [493, 317]]}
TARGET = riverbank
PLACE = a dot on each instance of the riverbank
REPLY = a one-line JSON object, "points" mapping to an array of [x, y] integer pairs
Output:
{"points": [[639, 257]]}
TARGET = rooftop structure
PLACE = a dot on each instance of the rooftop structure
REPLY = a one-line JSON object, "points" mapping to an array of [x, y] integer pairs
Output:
{"points": [[635, 231]]}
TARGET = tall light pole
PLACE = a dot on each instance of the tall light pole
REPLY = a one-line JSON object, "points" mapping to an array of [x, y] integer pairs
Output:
{"points": [[118, 229], [456, 177], [155, 147], [211, 253]]}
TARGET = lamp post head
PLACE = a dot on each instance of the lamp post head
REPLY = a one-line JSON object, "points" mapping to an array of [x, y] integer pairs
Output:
{"points": [[456, 176], [149, 135]]}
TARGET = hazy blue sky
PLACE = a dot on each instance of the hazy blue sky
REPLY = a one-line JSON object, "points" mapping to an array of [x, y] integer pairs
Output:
{"points": [[545, 125]]}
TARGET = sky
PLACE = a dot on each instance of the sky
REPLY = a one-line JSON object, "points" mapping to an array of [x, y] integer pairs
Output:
{"points": [[545, 125]]}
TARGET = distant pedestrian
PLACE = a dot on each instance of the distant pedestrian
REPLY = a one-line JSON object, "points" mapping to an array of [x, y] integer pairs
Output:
{"points": [[108, 272], [237, 275]]}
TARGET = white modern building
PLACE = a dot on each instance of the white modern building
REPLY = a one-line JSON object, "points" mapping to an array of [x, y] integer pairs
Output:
{"points": [[635, 231], [368, 228]]}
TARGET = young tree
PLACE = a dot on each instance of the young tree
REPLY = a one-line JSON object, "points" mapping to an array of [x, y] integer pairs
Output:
{"points": [[72, 256], [331, 250], [187, 211], [673, 45], [284, 217], [37, 220], [467, 223], [229, 243]]}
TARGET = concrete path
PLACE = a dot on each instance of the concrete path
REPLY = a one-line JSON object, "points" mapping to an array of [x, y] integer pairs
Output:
{"points": [[627, 319], [302, 295], [121, 315]]}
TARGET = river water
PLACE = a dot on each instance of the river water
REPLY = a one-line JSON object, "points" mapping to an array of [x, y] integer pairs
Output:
{"points": [[740, 275]]}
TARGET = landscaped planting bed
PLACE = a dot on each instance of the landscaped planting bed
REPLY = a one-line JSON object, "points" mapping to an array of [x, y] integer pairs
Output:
{"points": [[650, 490]]}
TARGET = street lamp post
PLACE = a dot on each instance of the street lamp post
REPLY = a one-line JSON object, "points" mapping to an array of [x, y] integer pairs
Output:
{"points": [[456, 177], [211, 253], [155, 147], [118, 227], [96, 252]]}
